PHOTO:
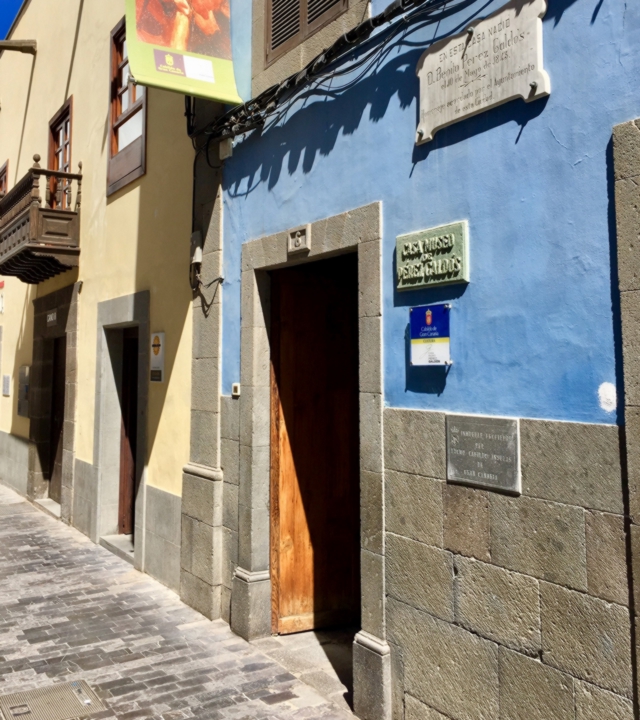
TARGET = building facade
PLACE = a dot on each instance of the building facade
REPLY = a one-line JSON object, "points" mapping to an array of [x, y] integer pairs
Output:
{"points": [[297, 463], [96, 259], [322, 487]]}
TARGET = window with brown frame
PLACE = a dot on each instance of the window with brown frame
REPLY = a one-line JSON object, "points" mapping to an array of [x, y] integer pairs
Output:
{"points": [[289, 22], [4, 179], [60, 156], [127, 146]]}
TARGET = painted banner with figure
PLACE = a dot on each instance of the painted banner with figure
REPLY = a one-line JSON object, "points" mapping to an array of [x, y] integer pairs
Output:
{"points": [[184, 46]]}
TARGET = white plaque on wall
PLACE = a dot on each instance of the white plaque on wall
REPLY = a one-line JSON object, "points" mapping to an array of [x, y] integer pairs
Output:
{"points": [[498, 59]]}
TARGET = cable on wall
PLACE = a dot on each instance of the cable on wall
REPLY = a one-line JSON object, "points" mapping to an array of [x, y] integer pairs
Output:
{"points": [[274, 102]]}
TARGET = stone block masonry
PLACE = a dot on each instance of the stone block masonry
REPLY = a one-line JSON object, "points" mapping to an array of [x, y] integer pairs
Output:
{"points": [[508, 608], [626, 175]]}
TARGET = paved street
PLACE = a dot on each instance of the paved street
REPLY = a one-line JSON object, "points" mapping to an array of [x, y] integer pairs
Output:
{"points": [[70, 610]]}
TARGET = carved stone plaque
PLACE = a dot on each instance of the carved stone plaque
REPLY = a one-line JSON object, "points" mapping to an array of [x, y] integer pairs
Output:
{"points": [[433, 257], [484, 452], [498, 59]]}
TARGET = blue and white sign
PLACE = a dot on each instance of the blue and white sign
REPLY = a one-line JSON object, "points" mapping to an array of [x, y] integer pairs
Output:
{"points": [[430, 336]]}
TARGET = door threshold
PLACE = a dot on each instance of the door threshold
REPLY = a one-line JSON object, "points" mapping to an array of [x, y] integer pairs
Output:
{"points": [[120, 545], [50, 506]]}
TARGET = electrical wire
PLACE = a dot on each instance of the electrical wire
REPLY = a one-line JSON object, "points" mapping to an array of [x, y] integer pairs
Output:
{"points": [[274, 103]]}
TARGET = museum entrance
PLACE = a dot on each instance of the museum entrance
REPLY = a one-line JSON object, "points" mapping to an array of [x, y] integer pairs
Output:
{"points": [[315, 474], [128, 431]]}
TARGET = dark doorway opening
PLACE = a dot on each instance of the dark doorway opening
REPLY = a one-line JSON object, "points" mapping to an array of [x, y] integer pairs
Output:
{"points": [[128, 431], [315, 473], [57, 418]]}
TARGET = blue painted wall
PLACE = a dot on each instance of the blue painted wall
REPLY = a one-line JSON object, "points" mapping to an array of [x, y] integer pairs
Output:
{"points": [[535, 333], [241, 15]]}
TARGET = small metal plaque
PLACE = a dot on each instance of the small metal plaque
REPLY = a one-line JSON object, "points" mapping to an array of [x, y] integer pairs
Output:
{"points": [[438, 256], [484, 452], [430, 335], [52, 318], [156, 373]]}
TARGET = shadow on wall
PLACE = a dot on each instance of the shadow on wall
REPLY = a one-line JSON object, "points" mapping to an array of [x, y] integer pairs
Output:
{"points": [[325, 113], [423, 379], [23, 356], [163, 249], [614, 285]]}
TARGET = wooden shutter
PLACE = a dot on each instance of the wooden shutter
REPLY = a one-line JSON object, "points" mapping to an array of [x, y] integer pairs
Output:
{"points": [[128, 118], [60, 155], [289, 22]]}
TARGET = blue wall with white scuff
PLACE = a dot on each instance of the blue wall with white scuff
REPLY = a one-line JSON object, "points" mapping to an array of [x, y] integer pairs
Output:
{"points": [[535, 333]]}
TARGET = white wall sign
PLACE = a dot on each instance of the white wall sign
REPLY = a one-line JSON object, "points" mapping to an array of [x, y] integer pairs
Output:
{"points": [[157, 357], [498, 59]]}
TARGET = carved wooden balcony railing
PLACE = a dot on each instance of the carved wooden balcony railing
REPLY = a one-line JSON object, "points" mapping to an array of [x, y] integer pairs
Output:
{"points": [[36, 242]]}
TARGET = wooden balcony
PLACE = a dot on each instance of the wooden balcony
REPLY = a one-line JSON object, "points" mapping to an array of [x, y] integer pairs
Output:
{"points": [[38, 242]]}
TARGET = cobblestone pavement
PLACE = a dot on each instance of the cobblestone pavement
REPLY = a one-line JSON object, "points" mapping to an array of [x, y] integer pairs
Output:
{"points": [[70, 610]]}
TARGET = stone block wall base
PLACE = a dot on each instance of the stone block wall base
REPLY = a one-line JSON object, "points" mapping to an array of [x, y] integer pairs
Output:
{"points": [[371, 678], [251, 604], [200, 595]]}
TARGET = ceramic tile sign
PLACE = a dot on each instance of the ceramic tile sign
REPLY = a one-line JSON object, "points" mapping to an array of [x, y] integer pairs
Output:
{"points": [[438, 256], [157, 357], [484, 452], [430, 335], [496, 60]]}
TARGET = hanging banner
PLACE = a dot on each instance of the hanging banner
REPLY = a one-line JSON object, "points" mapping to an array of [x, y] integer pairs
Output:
{"points": [[184, 46]]}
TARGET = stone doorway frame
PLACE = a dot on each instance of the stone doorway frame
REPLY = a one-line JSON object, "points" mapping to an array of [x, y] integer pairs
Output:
{"points": [[64, 303], [114, 316], [358, 231]]}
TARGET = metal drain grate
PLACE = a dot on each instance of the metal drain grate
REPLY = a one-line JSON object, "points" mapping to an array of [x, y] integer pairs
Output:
{"points": [[56, 702]]}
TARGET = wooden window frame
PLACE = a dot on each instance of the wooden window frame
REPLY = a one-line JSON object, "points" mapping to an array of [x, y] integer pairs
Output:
{"points": [[4, 173], [65, 111], [306, 29], [129, 164]]}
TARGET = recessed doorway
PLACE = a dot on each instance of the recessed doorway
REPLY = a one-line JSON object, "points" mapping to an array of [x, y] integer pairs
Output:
{"points": [[56, 442], [128, 431], [315, 473]]}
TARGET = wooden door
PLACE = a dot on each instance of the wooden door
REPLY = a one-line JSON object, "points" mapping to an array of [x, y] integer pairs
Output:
{"points": [[315, 446], [128, 432], [57, 417]]}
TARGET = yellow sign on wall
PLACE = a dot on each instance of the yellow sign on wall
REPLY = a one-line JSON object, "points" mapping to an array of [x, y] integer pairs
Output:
{"points": [[184, 46]]}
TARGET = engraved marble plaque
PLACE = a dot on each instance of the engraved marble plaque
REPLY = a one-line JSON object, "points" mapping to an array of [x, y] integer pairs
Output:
{"points": [[498, 59], [484, 452]]}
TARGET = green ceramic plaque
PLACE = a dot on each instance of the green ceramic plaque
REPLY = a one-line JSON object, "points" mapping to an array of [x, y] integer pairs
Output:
{"points": [[428, 258]]}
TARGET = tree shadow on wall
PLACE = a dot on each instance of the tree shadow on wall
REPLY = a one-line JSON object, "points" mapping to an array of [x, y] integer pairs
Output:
{"points": [[311, 125]]}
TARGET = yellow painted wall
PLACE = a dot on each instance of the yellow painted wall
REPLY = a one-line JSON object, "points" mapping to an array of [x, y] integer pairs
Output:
{"points": [[136, 240]]}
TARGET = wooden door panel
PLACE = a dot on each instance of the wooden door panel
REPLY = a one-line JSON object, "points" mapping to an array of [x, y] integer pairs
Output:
{"points": [[128, 432], [315, 465]]}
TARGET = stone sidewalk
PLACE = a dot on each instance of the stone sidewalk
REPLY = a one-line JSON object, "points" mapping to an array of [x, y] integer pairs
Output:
{"points": [[70, 610]]}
